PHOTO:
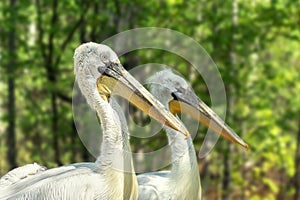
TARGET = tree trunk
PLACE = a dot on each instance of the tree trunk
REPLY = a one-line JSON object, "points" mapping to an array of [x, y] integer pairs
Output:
{"points": [[233, 61], [52, 72], [297, 166], [226, 174], [55, 128], [11, 138]]}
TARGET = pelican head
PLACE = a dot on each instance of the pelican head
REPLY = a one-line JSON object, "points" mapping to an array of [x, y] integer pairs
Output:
{"points": [[177, 93], [99, 74], [165, 83], [90, 60]]}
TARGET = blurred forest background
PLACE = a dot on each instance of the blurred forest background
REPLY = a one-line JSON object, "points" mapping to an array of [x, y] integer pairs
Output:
{"points": [[255, 44]]}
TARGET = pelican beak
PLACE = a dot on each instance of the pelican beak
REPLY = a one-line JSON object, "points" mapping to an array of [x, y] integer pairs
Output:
{"points": [[116, 80], [187, 102]]}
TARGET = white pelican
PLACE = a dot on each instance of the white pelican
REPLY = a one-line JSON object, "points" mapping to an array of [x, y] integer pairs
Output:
{"points": [[98, 72], [183, 181]]}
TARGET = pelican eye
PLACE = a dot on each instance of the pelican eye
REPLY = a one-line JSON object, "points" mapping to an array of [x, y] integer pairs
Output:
{"points": [[104, 57]]}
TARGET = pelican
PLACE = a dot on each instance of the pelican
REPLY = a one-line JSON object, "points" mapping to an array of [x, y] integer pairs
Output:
{"points": [[99, 74], [183, 180]]}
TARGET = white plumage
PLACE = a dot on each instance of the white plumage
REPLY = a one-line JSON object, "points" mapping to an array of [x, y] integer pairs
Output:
{"points": [[20, 173]]}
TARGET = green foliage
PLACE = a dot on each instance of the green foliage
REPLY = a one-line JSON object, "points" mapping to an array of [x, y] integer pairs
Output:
{"points": [[257, 55]]}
